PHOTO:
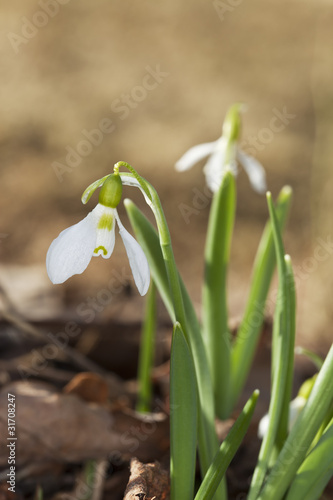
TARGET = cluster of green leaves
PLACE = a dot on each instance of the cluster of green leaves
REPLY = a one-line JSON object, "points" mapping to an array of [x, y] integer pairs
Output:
{"points": [[209, 368]]}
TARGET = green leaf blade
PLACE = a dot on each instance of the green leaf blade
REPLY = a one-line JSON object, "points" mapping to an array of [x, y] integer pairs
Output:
{"points": [[280, 358], [247, 337], [316, 470], [183, 418], [215, 314], [302, 434], [227, 451]]}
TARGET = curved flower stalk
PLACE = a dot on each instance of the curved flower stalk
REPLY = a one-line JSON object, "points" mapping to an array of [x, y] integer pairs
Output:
{"points": [[71, 252], [223, 155]]}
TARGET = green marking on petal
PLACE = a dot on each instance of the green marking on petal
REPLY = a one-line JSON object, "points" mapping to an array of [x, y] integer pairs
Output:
{"points": [[105, 222], [101, 248]]}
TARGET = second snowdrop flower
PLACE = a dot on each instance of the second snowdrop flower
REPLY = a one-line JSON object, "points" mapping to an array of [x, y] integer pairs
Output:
{"points": [[223, 155], [71, 252]]}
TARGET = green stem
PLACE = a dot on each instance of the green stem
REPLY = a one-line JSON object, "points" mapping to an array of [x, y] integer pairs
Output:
{"points": [[215, 313], [165, 242], [146, 355]]}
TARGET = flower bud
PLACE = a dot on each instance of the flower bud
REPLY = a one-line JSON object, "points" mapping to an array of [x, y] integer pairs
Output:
{"points": [[306, 387]]}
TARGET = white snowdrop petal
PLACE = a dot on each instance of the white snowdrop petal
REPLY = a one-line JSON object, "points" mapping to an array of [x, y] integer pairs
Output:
{"points": [[263, 426], [295, 408], [105, 243], [105, 232], [195, 154], [71, 252], [214, 170], [254, 170], [137, 260]]}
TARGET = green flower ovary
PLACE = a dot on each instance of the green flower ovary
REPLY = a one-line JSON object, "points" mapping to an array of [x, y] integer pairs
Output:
{"points": [[232, 123], [111, 191]]}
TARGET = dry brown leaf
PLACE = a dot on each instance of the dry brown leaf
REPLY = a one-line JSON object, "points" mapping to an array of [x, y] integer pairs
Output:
{"points": [[147, 482], [63, 428], [88, 386]]}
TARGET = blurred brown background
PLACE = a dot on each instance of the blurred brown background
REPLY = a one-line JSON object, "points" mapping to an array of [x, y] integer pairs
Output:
{"points": [[68, 65]]}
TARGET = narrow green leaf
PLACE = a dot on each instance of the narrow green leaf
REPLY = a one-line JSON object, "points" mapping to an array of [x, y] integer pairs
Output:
{"points": [[249, 330], [290, 311], [214, 298], [183, 418], [302, 434], [227, 451], [146, 355], [280, 358], [316, 470]]}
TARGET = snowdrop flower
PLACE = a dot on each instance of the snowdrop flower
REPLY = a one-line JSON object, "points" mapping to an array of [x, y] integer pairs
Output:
{"points": [[71, 252], [223, 155]]}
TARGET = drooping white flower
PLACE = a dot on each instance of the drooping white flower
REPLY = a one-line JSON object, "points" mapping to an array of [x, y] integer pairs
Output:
{"points": [[223, 155], [71, 252]]}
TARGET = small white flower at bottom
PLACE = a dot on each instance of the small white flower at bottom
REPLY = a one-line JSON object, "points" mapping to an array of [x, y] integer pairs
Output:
{"points": [[71, 252], [295, 408]]}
